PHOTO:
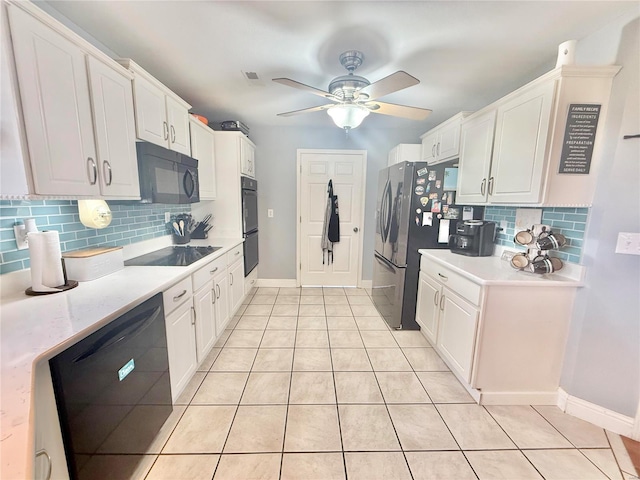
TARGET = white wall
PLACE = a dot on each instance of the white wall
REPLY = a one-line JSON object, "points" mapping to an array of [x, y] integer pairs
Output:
{"points": [[276, 175], [602, 363]]}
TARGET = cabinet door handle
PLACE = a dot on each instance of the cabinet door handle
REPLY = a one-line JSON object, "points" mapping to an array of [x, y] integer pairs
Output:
{"points": [[49, 463], [218, 290], [213, 296], [179, 296], [433, 150], [109, 173], [165, 129], [442, 302], [211, 272], [173, 134], [438, 149], [435, 297], [193, 318], [231, 275], [445, 278], [483, 185], [490, 185], [237, 253], [92, 167]]}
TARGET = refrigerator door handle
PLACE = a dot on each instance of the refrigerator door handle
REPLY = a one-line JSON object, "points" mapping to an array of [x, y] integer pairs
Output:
{"points": [[386, 263]]}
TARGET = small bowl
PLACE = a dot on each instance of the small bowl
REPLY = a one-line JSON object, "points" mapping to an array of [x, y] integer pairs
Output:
{"points": [[204, 120]]}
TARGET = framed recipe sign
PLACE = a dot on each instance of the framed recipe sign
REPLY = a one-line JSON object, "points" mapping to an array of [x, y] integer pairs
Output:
{"points": [[579, 136]]}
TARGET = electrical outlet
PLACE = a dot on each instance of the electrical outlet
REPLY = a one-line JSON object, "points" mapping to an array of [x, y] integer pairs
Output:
{"points": [[270, 213], [628, 243], [167, 217]]}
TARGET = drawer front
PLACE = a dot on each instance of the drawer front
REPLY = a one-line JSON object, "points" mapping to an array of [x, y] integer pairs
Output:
{"points": [[234, 254], [206, 273], [454, 281], [177, 295]]}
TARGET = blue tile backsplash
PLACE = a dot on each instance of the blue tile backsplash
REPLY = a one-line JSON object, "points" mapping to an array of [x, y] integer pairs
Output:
{"points": [[570, 222], [132, 222]]}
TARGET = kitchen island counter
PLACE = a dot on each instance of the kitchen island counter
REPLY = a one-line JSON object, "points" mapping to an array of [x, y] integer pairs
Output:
{"points": [[34, 329]]}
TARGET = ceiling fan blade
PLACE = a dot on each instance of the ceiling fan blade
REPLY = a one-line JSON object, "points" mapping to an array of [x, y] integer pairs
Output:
{"points": [[392, 83], [306, 110], [413, 113], [301, 86]]}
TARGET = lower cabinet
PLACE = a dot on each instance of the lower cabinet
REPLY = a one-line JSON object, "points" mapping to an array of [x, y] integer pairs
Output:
{"points": [[457, 332], [221, 302], [181, 345], [236, 284], [504, 340], [205, 319], [49, 457]]}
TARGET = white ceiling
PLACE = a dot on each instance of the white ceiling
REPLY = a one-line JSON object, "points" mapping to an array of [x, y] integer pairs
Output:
{"points": [[465, 53]]}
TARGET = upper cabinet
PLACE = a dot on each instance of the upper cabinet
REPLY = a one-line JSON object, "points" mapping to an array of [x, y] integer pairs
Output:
{"points": [[162, 117], [203, 150], [511, 151], [247, 157], [405, 152], [71, 95], [442, 143]]}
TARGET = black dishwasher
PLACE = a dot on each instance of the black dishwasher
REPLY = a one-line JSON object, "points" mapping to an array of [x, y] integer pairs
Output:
{"points": [[112, 390]]}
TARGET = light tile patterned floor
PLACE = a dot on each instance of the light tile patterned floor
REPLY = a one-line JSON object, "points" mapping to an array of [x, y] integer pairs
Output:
{"points": [[309, 384]]}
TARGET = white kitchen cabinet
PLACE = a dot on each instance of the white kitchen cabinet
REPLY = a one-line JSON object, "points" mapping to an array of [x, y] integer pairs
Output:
{"points": [[236, 284], [503, 340], [475, 158], [404, 152], [427, 307], [205, 320], [230, 148], [457, 332], [49, 456], [221, 290], [522, 163], [442, 142], [181, 338], [203, 150], [114, 125], [56, 106], [247, 157], [162, 117], [77, 106]]}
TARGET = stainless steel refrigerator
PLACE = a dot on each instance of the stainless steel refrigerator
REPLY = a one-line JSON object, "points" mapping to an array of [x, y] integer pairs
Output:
{"points": [[413, 199]]}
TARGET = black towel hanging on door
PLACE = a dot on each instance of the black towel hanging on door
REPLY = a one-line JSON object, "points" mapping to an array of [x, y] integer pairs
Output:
{"points": [[331, 227]]}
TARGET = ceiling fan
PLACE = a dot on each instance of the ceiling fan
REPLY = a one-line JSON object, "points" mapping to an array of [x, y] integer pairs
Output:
{"points": [[354, 97]]}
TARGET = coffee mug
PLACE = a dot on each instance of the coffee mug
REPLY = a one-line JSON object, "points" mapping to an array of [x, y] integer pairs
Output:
{"points": [[540, 230], [524, 237], [543, 264], [552, 241], [520, 261]]}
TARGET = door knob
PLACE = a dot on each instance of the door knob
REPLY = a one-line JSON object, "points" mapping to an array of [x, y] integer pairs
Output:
{"points": [[355, 229]]}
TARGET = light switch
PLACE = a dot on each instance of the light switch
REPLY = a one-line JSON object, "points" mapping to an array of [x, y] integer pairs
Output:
{"points": [[270, 212], [628, 243]]}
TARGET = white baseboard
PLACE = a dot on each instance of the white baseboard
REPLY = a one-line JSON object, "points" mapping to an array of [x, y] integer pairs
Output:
{"points": [[291, 282], [600, 416], [276, 282], [518, 398]]}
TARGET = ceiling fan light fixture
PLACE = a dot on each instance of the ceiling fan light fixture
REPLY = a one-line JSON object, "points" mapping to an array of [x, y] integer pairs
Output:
{"points": [[347, 116]]}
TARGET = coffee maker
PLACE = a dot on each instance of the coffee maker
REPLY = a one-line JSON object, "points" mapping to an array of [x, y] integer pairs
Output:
{"points": [[474, 238]]}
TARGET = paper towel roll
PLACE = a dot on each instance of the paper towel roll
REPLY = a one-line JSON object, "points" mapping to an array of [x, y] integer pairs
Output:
{"points": [[46, 265]]}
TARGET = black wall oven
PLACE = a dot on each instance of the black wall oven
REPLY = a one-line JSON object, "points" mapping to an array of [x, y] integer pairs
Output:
{"points": [[250, 223]]}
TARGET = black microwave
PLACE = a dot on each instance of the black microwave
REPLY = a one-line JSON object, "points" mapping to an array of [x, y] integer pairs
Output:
{"points": [[166, 176]]}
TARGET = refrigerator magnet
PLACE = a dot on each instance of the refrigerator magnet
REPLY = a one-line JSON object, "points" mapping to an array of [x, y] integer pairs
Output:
{"points": [[418, 220], [428, 187], [436, 206], [427, 219], [432, 175], [424, 201], [452, 213], [419, 190], [421, 181], [433, 196], [438, 183], [422, 172], [443, 232]]}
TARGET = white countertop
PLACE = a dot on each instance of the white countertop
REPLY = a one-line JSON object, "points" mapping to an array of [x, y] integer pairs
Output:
{"points": [[33, 329], [494, 271]]}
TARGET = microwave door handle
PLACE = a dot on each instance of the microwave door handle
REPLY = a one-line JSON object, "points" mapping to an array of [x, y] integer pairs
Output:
{"points": [[189, 187], [133, 327]]}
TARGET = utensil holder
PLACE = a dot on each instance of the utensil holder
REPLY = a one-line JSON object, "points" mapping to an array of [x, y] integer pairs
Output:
{"points": [[181, 239]]}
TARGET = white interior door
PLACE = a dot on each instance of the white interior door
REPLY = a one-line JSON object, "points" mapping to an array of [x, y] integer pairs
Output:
{"points": [[346, 169]]}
